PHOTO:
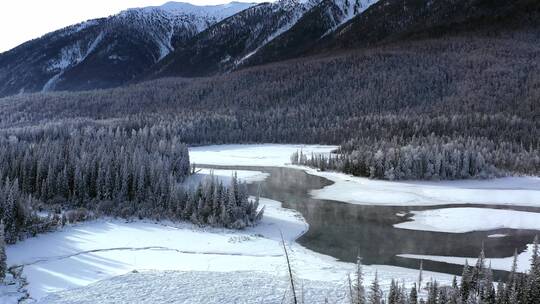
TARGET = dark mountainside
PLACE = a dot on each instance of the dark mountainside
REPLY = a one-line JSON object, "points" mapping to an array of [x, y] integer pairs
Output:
{"points": [[423, 19], [103, 53], [222, 46], [233, 42], [391, 21]]}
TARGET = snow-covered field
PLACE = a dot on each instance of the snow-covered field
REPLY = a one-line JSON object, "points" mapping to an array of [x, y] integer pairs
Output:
{"points": [[262, 155], [100, 250], [462, 220], [196, 287], [523, 261]]}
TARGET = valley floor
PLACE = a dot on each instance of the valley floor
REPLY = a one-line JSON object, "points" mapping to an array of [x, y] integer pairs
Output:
{"points": [[188, 262]]}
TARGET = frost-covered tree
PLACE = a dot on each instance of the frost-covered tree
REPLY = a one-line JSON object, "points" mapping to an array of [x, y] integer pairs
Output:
{"points": [[3, 257], [358, 293], [375, 295]]}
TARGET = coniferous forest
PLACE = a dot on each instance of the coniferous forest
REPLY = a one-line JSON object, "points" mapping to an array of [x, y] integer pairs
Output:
{"points": [[426, 109], [79, 172]]}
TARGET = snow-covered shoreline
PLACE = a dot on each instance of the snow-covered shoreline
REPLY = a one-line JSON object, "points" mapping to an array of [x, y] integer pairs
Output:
{"points": [[91, 252], [509, 191]]}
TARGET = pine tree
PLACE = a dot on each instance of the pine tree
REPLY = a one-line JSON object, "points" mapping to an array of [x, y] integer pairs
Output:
{"points": [[420, 274], [3, 265], [533, 282], [413, 295], [375, 294], [466, 279], [358, 286], [433, 294]]}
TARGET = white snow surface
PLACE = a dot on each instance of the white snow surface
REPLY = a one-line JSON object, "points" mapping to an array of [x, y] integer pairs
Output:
{"points": [[85, 254], [225, 176], [10, 290], [193, 287], [523, 261], [263, 155], [462, 220]]}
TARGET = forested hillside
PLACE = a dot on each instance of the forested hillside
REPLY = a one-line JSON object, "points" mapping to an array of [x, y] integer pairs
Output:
{"points": [[478, 91]]}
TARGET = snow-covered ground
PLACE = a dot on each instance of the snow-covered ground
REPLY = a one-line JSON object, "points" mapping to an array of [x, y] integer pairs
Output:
{"points": [[194, 287], [523, 261], [262, 155], [11, 290], [84, 254], [516, 191], [462, 220]]}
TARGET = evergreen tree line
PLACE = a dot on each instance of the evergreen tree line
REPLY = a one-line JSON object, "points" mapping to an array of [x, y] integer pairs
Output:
{"points": [[79, 173], [427, 158]]}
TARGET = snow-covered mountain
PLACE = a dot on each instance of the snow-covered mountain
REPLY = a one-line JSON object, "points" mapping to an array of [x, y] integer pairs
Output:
{"points": [[278, 26], [224, 45], [108, 51], [181, 39], [321, 20]]}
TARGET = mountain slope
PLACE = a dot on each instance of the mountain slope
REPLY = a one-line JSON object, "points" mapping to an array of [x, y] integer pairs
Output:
{"points": [[222, 46], [392, 20], [264, 33], [105, 52], [318, 22]]}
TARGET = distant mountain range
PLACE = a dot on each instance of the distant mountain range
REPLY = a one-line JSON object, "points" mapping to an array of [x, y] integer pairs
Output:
{"points": [[180, 39]]}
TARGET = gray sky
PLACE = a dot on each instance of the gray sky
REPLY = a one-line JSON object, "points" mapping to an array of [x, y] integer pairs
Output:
{"points": [[22, 20]]}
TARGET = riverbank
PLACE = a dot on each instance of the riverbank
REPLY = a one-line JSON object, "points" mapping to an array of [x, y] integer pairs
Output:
{"points": [[88, 253]]}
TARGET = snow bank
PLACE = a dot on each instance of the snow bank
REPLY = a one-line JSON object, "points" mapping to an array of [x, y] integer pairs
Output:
{"points": [[81, 255], [462, 220], [251, 155], [518, 191], [523, 262]]}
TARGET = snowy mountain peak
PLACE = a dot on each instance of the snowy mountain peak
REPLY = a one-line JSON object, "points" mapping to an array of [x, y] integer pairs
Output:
{"points": [[218, 12]]}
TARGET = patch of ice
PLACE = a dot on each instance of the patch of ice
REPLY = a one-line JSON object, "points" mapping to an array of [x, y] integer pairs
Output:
{"points": [[497, 235], [462, 220], [225, 176]]}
